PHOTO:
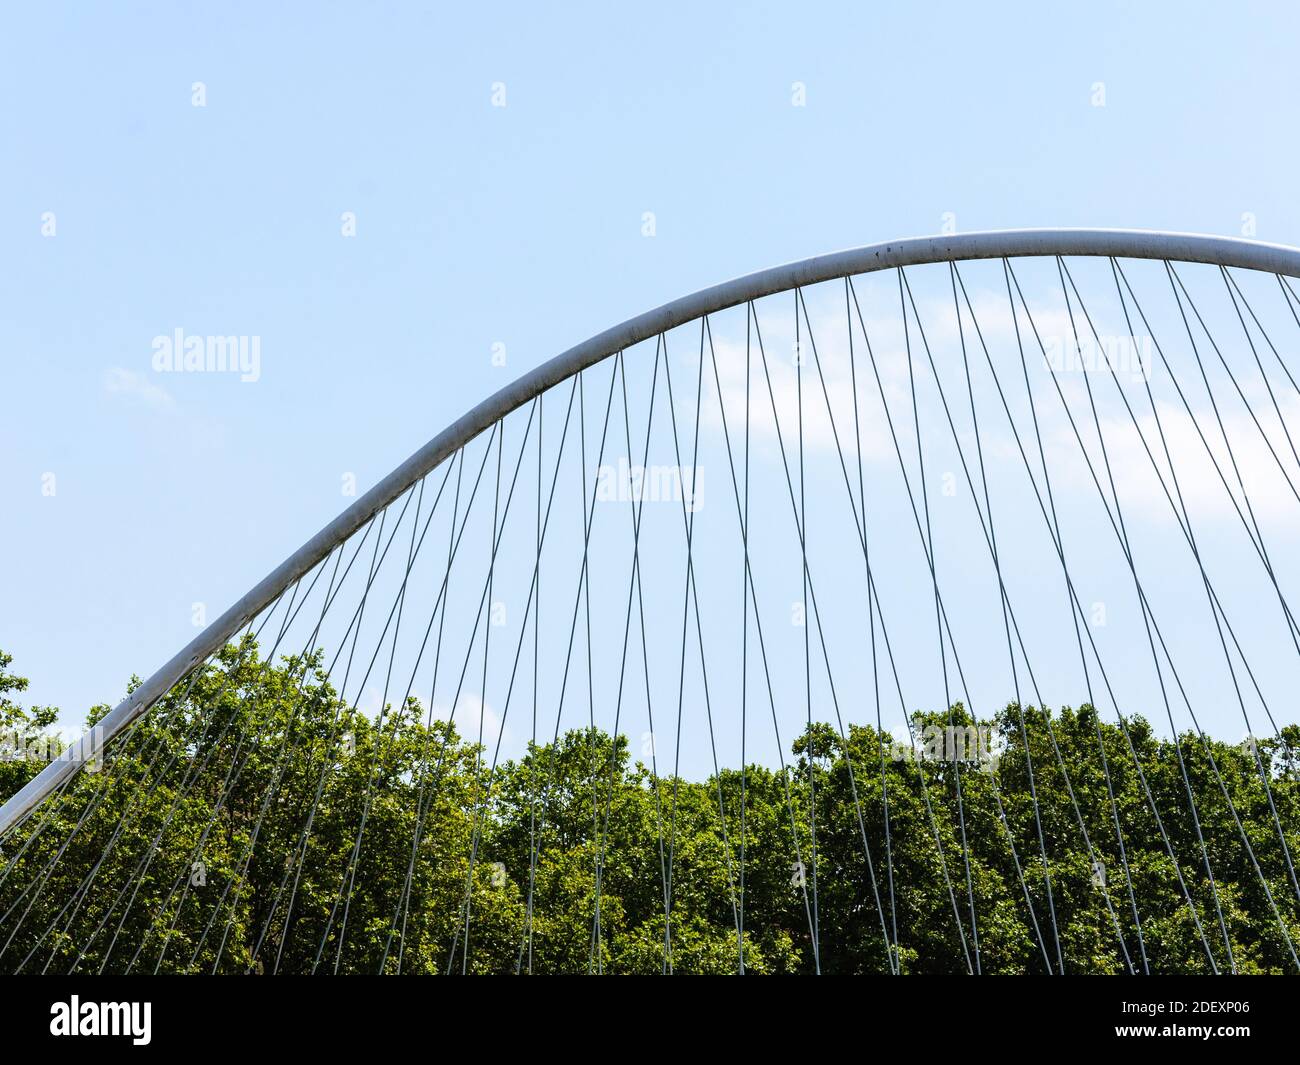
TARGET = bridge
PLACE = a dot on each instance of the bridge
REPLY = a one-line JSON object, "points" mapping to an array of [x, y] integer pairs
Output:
{"points": [[917, 607]]}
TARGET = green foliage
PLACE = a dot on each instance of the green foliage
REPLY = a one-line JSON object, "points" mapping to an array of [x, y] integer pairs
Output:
{"points": [[220, 835]]}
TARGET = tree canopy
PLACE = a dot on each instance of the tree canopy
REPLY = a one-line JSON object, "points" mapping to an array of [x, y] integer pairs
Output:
{"points": [[255, 822]]}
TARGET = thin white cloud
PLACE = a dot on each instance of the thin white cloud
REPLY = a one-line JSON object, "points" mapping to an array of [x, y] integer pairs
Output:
{"points": [[119, 381], [1272, 498], [888, 347]]}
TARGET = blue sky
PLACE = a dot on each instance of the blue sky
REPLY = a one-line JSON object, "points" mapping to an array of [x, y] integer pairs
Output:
{"points": [[479, 225]]}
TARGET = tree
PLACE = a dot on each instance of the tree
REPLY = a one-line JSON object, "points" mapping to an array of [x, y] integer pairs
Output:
{"points": [[224, 833]]}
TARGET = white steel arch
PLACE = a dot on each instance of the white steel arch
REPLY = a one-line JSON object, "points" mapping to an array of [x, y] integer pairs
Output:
{"points": [[914, 251]]}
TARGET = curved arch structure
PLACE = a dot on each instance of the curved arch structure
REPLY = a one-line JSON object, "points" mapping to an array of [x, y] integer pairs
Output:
{"points": [[1115, 243]]}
